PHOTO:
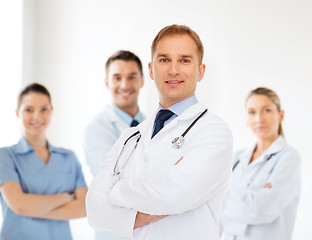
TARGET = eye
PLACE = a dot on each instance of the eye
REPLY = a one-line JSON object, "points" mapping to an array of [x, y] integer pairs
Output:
{"points": [[116, 79], [251, 112], [163, 60], [267, 110], [132, 78], [28, 110], [185, 61], [44, 109]]}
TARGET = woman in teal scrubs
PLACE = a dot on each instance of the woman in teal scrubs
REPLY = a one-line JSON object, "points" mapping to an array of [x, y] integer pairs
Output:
{"points": [[41, 186]]}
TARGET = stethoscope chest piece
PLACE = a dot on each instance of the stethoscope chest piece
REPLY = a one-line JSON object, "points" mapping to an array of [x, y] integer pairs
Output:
{"points": [[178, 142]]}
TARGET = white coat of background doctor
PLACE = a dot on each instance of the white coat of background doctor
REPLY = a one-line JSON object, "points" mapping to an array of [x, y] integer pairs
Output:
{"points": [[165, 193], [124, 79], [264, 192]]}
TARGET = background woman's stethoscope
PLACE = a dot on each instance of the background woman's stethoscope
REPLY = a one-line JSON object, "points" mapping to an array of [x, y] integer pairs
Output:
{"points": [[176, 143], [250, 181]]}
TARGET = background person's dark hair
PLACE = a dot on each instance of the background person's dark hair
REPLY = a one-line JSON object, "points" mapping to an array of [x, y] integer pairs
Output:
{"points": [[33, 87], [125, 56]]}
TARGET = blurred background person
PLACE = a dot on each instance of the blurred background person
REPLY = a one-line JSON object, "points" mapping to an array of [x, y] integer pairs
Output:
{"points": [[265, 186], [41, 186], [124, 79]]}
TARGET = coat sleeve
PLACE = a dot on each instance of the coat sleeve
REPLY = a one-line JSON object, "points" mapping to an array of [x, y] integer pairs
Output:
{"points": [[101, 213], [264, 205], [200, 176], [98, 140]]}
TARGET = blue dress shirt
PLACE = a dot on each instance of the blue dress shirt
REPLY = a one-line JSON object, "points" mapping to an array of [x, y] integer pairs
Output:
{"points": [[178, 108], [126, 117]]}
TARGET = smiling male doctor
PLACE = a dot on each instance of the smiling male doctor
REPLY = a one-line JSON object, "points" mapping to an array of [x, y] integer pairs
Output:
{"points": [[163, 192]]}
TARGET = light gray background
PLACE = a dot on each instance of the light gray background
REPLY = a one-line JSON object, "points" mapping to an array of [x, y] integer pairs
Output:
{"points": [[65, 43]]}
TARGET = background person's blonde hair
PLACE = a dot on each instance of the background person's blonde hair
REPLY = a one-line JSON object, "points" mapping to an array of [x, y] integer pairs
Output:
{"points": [[273, 97]]}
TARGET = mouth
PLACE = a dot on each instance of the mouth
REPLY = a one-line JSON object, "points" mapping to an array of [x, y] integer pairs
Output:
{"points": [[125, 94], [261, 128], [174, 82], [37, 125]]}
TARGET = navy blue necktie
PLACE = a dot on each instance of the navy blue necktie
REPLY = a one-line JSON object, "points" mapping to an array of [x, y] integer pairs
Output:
{"points": [[162, 116], [134, 123]]}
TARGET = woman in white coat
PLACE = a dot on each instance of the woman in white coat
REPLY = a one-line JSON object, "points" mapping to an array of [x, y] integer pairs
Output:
{"points": [[262, 199]]}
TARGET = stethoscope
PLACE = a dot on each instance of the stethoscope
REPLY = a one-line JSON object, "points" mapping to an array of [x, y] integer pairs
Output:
{"points": [[253, 177], [176, 143]]}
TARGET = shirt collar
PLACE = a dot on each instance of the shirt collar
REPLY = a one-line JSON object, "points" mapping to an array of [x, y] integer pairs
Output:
{"points": [[179, 107], [274, 148], [126, 117], [23, 147]]}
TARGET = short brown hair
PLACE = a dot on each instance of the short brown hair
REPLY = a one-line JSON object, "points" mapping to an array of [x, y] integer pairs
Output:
{"points": [[179, 30], [125, 56], [273, 97]]}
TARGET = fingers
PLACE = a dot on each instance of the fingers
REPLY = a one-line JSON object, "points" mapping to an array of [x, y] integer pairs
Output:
{"points": [[267, 185], [178, 161]]}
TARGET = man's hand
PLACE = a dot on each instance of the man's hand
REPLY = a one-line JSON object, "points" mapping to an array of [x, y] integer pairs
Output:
{"points": [[143, 219]]}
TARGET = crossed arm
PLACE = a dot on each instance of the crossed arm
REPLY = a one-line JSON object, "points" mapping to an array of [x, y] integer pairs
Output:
{"points": [[62, 206], [261, 206], [143, 219], [158, 193]]}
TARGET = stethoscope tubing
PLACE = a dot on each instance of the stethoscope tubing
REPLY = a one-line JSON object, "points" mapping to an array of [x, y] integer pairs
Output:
{"points": [[138, 139], [193, 123], [253, 177]]}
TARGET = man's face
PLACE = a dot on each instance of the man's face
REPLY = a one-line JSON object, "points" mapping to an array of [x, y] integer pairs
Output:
{"points": [[124, 81], [175, 68]]}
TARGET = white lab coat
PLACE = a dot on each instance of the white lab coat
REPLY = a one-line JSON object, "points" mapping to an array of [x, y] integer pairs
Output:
{"points": [[191, 192], [258, 213], [99, 137]]}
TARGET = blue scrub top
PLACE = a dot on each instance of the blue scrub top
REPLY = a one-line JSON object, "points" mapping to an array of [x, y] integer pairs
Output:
{"points": [[61, 174]]}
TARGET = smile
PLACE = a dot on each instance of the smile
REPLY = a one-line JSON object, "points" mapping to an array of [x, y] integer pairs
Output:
{"points": [[173, 82], [37, 125]]}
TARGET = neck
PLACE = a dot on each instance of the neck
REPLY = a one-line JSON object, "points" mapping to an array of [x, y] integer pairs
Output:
{"points": [[37, 142], [167, 104], [131, 111], [264, 144]]}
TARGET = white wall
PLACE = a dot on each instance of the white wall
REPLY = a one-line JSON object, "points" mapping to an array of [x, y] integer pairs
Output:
{"points": [[247, 44], [10, 70]]}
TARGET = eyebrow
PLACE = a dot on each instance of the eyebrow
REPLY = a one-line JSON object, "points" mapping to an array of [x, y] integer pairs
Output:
{"points": [[32, 106], [187, 56], [118, 74], [166, 55], [268, 105], [134, 73], [265, 106], [162, 55]]}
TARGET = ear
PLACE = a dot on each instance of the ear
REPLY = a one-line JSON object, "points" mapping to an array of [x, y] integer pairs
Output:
{"points": [[201, 72], [106, 82], [150, 67], [17, 114], [281, 116]]}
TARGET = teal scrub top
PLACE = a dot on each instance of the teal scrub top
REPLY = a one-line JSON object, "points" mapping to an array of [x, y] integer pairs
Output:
{"points": [[61, 174]]}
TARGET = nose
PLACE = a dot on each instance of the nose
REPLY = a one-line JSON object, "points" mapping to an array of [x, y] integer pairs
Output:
{"points": [[259, 117], [37, 115], [174, 68], [124, 84]]}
